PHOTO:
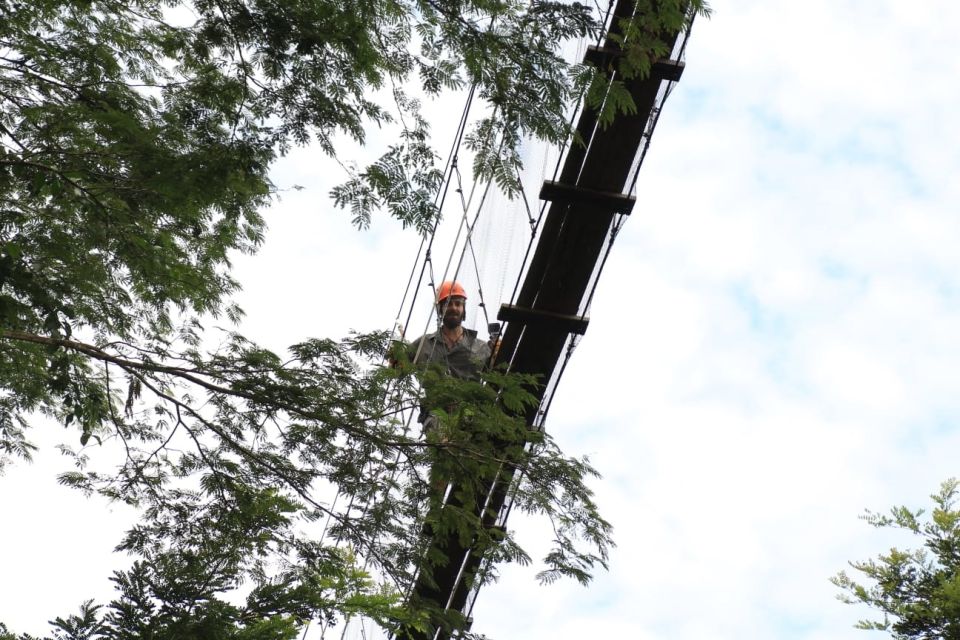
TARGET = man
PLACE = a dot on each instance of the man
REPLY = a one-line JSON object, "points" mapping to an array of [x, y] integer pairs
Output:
{"points": [[455, 349], [459, 353]]}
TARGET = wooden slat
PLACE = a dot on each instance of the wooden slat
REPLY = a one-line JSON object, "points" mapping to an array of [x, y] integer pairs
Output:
{"points": [[663, 69], [608, 200], [560, 322]]}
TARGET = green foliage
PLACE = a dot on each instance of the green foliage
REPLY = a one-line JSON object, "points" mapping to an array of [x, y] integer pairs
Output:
{"points": [[223, 451], [916, 590], [642, 41]]}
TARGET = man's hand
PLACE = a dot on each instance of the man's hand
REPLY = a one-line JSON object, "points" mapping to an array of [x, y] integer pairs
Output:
{"points": [[395, 353]]}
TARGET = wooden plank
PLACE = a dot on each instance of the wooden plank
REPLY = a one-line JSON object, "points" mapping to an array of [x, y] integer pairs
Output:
{"points": [[663, 69], [560, 322], [609, 200]]}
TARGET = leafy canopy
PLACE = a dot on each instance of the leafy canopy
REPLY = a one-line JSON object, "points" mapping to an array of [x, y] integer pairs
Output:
{"points": [[916, 590], [136, 140]]}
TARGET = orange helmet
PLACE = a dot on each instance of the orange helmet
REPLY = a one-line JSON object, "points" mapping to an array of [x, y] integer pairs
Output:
{"points": [[450, 288]]}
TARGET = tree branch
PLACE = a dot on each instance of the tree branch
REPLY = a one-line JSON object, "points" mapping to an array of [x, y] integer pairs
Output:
{"points": [[192, 375]]}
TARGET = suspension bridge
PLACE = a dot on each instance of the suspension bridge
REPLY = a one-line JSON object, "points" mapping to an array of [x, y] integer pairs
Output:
{"points": [[554, 253]]}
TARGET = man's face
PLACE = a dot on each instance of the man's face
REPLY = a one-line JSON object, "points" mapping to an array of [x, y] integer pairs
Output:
{"points": [[453, 309]]}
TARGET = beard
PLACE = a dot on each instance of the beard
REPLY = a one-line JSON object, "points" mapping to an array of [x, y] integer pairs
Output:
{"points": [[452, 320]]}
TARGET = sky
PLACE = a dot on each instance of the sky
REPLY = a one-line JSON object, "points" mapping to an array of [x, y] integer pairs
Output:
{"points": [[772, 347]]}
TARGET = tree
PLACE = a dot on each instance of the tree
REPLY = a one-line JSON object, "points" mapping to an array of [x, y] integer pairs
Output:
{"points": [[136, 139], [916, 590]]}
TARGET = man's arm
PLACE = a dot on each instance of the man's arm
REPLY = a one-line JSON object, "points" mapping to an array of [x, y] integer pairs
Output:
{"points": [[413, 348], [401, 347]]}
